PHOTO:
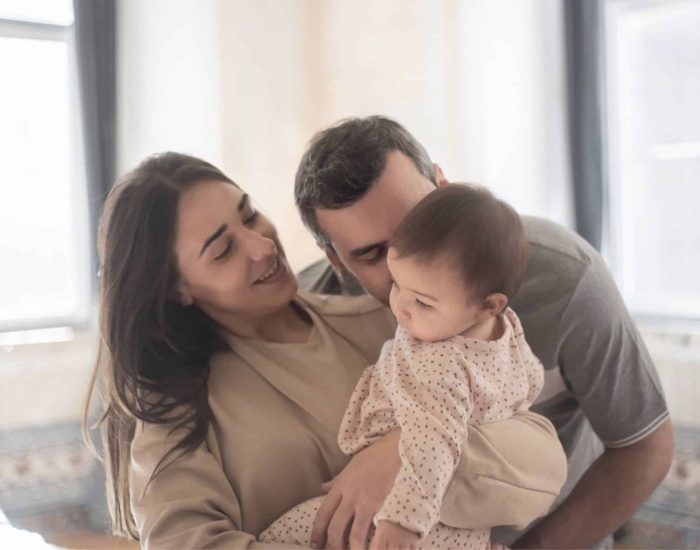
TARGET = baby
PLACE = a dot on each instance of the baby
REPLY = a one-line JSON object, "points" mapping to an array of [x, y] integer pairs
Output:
{"points": [[458, 357]]}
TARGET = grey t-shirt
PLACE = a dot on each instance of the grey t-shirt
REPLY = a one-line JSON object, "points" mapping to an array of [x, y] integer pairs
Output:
{"points": [[601, 387]]}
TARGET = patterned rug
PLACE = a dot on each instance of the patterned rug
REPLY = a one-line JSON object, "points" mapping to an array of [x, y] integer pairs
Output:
{"points": [[671, 516], [49, 483]]}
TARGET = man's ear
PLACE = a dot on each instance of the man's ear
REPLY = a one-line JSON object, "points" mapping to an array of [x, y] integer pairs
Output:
{"points": [[493, 304], [440, 176]]}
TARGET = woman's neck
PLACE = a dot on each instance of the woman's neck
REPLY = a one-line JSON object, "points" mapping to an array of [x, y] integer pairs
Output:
{"points": [[288, 325]]}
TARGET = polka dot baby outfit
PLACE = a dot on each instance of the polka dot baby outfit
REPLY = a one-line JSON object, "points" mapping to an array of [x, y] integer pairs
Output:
{"points": [[432, 390]]}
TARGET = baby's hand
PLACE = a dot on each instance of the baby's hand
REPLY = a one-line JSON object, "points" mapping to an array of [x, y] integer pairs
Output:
{"points": [[390, 535]]}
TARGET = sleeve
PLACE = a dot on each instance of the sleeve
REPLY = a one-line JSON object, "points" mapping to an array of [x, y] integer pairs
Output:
{"points": [[190, 503], [510, 474], [606, 364], [432, 410], [369, 414]]}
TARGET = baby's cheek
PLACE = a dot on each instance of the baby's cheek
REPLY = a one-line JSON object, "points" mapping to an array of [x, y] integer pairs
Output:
{"points": [[436, 329], [423, 330]]}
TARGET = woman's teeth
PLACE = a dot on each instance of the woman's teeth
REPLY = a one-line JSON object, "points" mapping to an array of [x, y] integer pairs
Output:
{"points": [[270, 272]]}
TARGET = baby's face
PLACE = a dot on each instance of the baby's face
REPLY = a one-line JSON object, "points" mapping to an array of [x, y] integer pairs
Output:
{"points": [[430, 301]]}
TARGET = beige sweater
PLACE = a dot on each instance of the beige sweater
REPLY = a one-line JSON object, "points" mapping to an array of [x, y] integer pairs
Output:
{"points": [[273, 441]]}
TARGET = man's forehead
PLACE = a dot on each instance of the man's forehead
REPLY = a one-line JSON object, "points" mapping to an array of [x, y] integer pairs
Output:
{"points": [[374, 217]]}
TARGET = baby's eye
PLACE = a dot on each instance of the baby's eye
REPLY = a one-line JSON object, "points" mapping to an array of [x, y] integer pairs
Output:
{"points": [[423, 305]]}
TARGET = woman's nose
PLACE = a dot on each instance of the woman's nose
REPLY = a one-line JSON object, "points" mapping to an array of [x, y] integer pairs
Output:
{"points": [[259, 247]]}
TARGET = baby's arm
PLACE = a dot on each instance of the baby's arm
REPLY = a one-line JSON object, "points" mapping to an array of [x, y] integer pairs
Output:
{"points": [[432, 404]]}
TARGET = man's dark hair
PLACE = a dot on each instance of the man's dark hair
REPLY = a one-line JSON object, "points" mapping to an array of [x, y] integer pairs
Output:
{"points": [[465, 224], [343, 162]]}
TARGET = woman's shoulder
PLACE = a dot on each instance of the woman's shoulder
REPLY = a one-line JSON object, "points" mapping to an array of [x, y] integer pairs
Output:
{"points": [[360, 319], [341, 306]]}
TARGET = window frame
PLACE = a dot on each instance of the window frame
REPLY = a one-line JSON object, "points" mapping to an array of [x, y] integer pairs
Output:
{"points": [[617, 237], [82, 317]]}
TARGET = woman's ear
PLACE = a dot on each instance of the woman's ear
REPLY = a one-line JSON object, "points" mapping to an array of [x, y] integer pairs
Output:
{"points": [[440, 176], [182, 294], [494, 304]]}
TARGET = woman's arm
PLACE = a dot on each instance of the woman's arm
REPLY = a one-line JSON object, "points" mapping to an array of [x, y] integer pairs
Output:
{"points": [[510, 475], [189, 504]]}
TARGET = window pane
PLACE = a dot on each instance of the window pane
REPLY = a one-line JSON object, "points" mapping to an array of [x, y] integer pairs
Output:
{"points": [[43, 262], [656, 91], [57, 12]]}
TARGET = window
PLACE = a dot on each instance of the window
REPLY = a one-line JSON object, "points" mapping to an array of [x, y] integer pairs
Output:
{"points": [[44, 230], [653, 69]]}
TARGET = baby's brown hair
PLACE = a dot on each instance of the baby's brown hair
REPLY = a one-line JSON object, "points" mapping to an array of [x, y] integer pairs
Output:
{"points": [[465, 224]]}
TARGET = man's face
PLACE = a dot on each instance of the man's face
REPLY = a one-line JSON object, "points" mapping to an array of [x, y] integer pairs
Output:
{"points": [[360, 232]]}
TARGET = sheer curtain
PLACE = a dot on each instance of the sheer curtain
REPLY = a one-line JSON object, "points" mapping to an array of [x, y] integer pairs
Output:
{"points": [[481, 83], [95, 36]]}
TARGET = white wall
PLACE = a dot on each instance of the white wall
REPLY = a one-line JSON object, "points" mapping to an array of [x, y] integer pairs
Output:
{"points": [[246, 84], [168, 79], [480, 83]]}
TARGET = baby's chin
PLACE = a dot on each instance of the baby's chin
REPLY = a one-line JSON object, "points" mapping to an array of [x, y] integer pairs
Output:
{"points": [[428, 336]]}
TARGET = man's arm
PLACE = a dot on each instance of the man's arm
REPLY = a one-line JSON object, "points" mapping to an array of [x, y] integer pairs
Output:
{"points": [[607, 494], [609, 372]]}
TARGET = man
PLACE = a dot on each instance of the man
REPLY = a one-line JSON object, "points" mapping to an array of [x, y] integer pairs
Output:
{"points": [[354, 185]]}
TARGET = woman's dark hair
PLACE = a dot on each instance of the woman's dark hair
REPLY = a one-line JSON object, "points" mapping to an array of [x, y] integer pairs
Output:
{"points": [[343, 162], [152, 364], [482, 235]]}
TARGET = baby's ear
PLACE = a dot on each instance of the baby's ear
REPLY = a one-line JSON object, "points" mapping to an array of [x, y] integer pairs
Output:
{"points": [[494, 304]]}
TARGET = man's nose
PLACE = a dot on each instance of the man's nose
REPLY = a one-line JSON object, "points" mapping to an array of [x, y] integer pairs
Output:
{"points": [[259, 247]]}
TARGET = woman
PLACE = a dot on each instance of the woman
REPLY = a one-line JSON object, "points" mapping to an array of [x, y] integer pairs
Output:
{"points": [[224, 387]]}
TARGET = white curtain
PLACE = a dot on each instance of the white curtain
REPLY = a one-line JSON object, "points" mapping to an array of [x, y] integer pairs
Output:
{"points": [[246, 84]]}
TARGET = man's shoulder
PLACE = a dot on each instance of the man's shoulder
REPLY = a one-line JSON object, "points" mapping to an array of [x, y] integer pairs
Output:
{"points": [[557, 243], [558, 260], [558, 257]]}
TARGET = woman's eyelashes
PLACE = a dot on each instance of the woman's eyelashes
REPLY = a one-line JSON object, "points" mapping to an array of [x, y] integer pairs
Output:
{"points": [[224, 252], [248, 221]]}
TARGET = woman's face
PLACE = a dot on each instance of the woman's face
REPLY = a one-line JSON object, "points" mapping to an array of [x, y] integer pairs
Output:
{"points": [[231, 264]]}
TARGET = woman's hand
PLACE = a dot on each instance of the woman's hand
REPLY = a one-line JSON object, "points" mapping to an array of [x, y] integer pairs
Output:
{"points": [[391, 536], [356, 494]]}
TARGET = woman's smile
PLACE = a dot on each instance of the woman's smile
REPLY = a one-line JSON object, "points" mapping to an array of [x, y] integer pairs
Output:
{"points": [[274, 273]]}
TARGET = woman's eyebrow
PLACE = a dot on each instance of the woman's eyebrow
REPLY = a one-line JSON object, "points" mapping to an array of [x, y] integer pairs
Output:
{"points": [[245, 199], [213, 237]]}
